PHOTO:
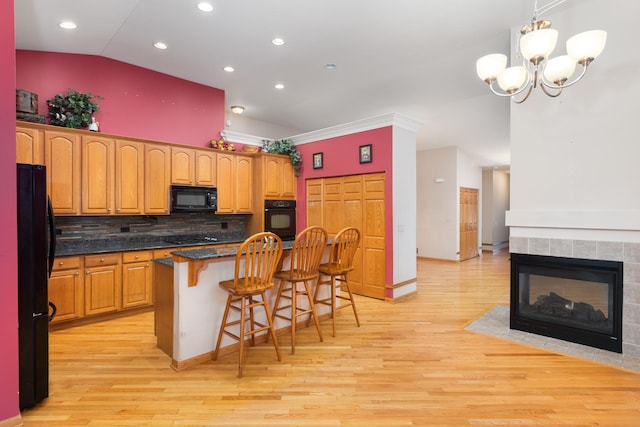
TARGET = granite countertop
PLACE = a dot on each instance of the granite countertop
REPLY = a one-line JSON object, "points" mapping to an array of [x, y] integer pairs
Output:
{"points": [[210, 253], [130, 243]]}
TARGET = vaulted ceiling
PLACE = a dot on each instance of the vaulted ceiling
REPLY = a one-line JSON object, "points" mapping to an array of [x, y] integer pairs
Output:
{"points": [[413, 57]]}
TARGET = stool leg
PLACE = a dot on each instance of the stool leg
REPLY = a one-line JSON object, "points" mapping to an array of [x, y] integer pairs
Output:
{"points": [[294, 315], [333, 303], [353, 303], [222, 325], [313, 311], [241, 335], [272, 331]]}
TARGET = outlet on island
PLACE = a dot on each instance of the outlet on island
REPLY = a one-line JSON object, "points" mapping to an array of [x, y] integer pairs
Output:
{"points": [[125, 229]]}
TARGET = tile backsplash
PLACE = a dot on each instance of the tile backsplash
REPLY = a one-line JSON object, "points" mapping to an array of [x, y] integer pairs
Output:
{"points": [[69, 228]]}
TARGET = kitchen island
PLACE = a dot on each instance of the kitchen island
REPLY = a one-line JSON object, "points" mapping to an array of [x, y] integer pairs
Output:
{"points": [[190, 304]]}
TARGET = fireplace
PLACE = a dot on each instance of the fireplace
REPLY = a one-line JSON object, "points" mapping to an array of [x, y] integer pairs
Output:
{"points": [[577, 300]]}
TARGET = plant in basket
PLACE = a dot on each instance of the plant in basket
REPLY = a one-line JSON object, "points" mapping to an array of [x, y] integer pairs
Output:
{"points": [[73, 110]]}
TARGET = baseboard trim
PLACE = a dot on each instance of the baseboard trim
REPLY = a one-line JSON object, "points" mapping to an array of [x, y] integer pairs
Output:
{"points": [[12, 422]]}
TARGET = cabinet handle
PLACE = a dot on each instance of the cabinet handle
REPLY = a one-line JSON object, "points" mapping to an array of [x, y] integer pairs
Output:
{"points": [[117, 209], [108, 209], [146, 265], [61, 263], [137, 257], [88, 272], [77, 273], [101, 259]]}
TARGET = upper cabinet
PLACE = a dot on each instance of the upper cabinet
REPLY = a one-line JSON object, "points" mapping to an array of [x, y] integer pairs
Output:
{"points": [[129, 178], [157, 179], [97, 175], [62, 158], [278, 177], [234, 183], [193, 167], [29, 146]]}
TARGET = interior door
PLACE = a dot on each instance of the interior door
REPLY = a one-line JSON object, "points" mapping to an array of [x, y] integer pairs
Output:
{"points": [[468, 223]]}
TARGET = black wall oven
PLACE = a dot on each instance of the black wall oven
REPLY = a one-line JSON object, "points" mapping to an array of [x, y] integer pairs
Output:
{"points": [[280, 218]]}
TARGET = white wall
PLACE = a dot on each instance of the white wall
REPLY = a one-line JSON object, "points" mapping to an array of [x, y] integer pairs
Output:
{"points": [[245, 125], [437, 203], [495, 203], [404, 207], [574, 160]]}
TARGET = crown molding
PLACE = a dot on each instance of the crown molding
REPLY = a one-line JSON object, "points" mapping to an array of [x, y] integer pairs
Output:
{"points": [[242, 138], [377, 122]]}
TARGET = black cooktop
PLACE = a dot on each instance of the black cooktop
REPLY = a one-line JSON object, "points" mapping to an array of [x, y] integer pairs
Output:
{"points": [[190, 239]]}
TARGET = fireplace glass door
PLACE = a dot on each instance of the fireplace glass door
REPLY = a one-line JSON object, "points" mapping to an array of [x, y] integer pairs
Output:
{"points": [[576, 300]]}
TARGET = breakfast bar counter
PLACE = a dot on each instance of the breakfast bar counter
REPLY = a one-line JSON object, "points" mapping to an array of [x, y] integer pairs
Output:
{"points": [[189, 303]]}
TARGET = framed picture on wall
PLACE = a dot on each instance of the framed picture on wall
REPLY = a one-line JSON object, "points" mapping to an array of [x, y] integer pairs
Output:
{"points": [[317, 160], [365, 153]]}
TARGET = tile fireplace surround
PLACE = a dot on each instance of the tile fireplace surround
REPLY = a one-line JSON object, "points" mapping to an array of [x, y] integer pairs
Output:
{"points": [[628, 253]]}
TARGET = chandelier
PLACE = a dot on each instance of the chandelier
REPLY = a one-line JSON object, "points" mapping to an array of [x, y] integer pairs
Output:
{"points": [[536, 43]]}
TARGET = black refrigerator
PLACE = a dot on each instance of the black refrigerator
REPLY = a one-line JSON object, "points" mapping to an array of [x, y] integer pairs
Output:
{"points": [[36, 250]]}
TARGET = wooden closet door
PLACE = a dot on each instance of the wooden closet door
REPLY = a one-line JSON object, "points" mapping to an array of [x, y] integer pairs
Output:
{"points": [[373, 236], [468, 223]]}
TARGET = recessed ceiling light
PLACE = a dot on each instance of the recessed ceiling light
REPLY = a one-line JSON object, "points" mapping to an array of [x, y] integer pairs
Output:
{"points": [[237, 109], [277, 41], [279, 86], [330, 66], [68, 25], [205, 7], [160, 45], [229, 69]]}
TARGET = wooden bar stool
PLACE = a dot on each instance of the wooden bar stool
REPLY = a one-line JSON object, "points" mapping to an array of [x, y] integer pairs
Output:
{"points": [[306, 255], [256, 261], [334, 273]]}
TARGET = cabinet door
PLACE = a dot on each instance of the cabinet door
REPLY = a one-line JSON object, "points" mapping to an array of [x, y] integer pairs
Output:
{"points": [[66, 289], [157, 179], [272, 177], [102, 284], [225, 180], [205, 168], [242, 189], [182, 166], [289, 180], [129, 178], [97, 175], [62, 158], [137, 284], [29, 146], [314, 203]]}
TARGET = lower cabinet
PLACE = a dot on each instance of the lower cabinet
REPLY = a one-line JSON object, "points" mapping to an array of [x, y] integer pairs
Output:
{"points": [[66, 288], [102, 284], [137, 276]]}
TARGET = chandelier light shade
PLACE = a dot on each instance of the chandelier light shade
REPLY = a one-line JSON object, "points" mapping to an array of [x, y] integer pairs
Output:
{"points": [[537, 42], [237, 109]]}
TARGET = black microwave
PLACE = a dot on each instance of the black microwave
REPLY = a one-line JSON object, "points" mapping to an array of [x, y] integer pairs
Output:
{"points": [[192, 199]]}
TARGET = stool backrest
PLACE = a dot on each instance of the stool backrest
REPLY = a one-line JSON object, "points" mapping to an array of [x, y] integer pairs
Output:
{"points": [[307, 250], [344, 248], [261, 253]]}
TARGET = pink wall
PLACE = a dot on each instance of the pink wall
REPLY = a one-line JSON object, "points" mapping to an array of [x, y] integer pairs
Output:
{"points": [[8, 244], [340, 158], [137, 102]]}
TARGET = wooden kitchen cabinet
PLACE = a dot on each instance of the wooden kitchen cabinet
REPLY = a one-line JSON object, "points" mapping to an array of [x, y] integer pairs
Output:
{"points": [[193, 167], [97, 175], [103, 283], [62, 158], [129, 178], [157, 179], [66, 288], [29, 146], [234, 183], [137, 276], [278, 177]]}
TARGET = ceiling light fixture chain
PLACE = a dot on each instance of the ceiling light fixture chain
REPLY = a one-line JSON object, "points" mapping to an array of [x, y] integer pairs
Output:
{"points": [[536, 42]]}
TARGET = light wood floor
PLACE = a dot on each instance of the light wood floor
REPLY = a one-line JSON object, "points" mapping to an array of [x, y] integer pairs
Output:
{"points": [[410, 363]]}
